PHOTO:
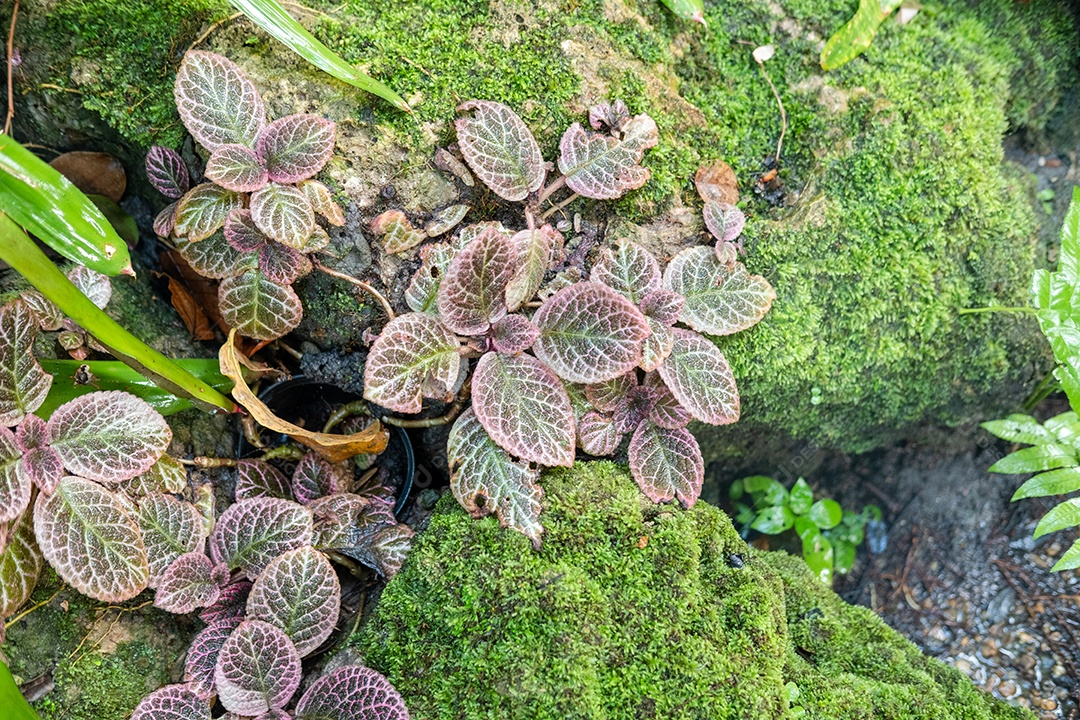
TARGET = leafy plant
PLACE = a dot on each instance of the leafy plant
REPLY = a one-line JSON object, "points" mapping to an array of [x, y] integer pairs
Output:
{"points": [[592, 361], [857, 34], [688, 9], [1055, 444], [829, 534], [253, 224]]}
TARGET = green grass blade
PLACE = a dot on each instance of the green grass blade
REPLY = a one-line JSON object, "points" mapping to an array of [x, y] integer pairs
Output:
{"points": [[11, 700], [271, 17], [22, 254]]}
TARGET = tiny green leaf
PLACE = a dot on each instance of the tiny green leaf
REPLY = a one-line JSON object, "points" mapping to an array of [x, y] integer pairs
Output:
{"points": [[1070, 560], [857, 34], [1036, 459], [774, 520], [1019, 428], [826, 513], [801, 497]]}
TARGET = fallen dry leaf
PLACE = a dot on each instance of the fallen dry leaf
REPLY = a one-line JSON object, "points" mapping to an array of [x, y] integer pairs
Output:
{"points": [[95, 173], [717, 183], [192, 315]]}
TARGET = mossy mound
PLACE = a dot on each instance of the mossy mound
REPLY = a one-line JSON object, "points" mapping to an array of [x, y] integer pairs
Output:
{"points": [[633, 610]]}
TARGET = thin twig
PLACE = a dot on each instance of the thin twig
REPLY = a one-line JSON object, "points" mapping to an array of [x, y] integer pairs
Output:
{"points": [[50, 86], [361, 284], [560, 206], [10, 70], [547, 192], [783, 114], [212, 28], [31, 609], [445, 419]]}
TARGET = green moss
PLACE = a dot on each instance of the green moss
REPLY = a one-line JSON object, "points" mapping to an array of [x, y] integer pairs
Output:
{"points": [[634, 610]]}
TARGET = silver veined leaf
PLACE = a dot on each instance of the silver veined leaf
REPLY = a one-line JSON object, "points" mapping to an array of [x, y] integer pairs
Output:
{"points": [[322, 201], [445, 220], [389, 548], [94, 285], [23, 382], [242, 234], [315, 477], [699, 377], [203, 209], [251, 533], [423, 292], [172, 702], [214, 257], [48, 315], [351, 693], [202, 655], [397, 232], [364, 529], [316, 242], [167, 172], [282, 265], [91, 541], [471, 295], [187, 584], [513, 334], [255, 478], [283, 213], [258, 668], [524, 408], [274, 714], [611, 115], [720, 300], [597, 434], [108, 436], [40, 464], [231, 603], [170, 528], [657, 346], [605, 396], [299, 593], [666, 411], [666, 464], [20, 564], [236, 168], [500, 149], [589, 333], [632, 410], [296, 147], [603, 167], [414, 352], [724, 221], [165, 476], [217, 102], [536, 250], [485, 479], [629, 270], [663, 306], [258, 308], [165, 220]]}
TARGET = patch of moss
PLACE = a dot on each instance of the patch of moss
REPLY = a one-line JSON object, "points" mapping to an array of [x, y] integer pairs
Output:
{"points": [[633, 610]]}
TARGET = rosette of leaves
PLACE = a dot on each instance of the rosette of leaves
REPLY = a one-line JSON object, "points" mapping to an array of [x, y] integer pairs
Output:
{"points": [[253, 223]]}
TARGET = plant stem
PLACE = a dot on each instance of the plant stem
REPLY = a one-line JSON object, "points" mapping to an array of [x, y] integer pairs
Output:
{"points": [[560, 206], [552, 188], [22, 254], [361, 284], [10, 68], [783, 114], [998, 308]]}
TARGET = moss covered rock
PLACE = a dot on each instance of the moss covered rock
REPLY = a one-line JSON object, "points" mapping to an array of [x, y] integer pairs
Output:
{"points": [[633, 610]]}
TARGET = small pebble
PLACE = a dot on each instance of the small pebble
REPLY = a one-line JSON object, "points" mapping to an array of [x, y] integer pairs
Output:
{"points": [[1027, 662], [1007, 689], [1048, 704], [989, 648], [963, 666]]}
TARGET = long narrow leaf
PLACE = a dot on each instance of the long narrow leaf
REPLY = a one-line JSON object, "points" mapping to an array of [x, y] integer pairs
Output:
{"points": [[22, 254], [271, 17], [44, 202], [14, 704]]}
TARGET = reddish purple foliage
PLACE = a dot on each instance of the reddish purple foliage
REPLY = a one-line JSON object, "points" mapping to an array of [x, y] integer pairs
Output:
{"points": [[167, 172], [471, 295], [255, 478], [296, 147], [172, 702], [232, 603], [258, 668], [202, 655], [513, 334], [351, 693]]}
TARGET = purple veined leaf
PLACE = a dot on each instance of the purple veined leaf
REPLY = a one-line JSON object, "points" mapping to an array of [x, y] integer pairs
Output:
{"points": [[43, 467], [170, 528], [258, 308], [217, 102], [242, 234], [589, 333], [666, 410], [414, 352], [298, 593], [215, 258], [258, 668], [20, 564], [23, 382], [611, 115], [203, 209], [606, 395], [524, 408], [471, 295], [500, 149], [397, 232], [91, 540], [423, 291], [351, 693], [657, 346], [727, 253], [251, 533], [282, 265], [629, 270], [603, 167], [633, 409], [597, 434], [322, 201], [699, 377], [724, 221], [255, 478], [108, 436], [274, 714], [342, 517], [232, 603], [445, 220], [535, 251], [296, 147], [314, 478], [475, 230], [187, 584], [94, 285], [236, 168], [513, 334], [284, 214], [165, 476], [165, 220], [720, 299], [663, 306], [202, 656], [167, 172], [172, 702], [48, 315], [485, 479], [32, 432], [666, 464], [578, 400], [389, 548]]}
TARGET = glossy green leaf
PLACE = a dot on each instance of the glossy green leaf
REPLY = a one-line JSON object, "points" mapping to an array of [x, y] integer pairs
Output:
{"points": [[688, 9], [20, 564], [1019, 428], [1070, 560], [818, 553], [801, 497], [770, 491], [805, 528], [1062, 516], [773, 520], [43, 201], [843, 556], [826, 513], [855, 36], [1036, 459], [1055, 482], [12, 700]]}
